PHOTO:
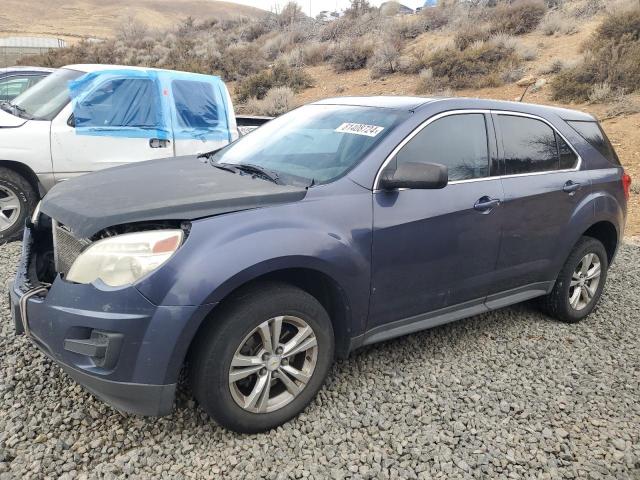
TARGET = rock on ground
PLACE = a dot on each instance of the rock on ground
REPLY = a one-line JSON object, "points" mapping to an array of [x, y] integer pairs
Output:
{"points": [[510, 393]]}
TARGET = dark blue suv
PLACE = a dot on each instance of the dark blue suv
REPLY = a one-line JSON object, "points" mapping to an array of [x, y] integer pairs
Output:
{"points": [[342, 223]]}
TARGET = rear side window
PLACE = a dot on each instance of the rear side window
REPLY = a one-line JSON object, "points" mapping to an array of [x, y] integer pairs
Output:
{"points": [[592, 133], [568, 157], [457, 141], [196, 104], [529, 145]]}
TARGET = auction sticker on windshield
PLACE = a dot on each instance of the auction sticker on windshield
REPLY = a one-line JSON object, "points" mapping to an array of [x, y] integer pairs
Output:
{"points": [[359, 129]]}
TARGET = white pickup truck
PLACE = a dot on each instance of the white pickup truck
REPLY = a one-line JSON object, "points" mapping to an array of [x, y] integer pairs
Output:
{"points": [[84, 118]]}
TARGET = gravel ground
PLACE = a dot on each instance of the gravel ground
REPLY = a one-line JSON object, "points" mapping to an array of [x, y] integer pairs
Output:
{"points": [[506, 394]]}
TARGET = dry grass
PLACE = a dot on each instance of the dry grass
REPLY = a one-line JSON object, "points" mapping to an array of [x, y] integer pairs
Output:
{"points": [[517, 18], [612, 56], [277, 101]]}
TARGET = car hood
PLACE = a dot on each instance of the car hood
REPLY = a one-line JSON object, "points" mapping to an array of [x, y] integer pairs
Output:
{"points": [[181, 188], [10, 121]]}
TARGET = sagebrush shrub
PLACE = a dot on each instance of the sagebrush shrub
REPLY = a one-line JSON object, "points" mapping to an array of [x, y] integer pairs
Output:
{"points": [[612, 56], [480, 65], [517, 18], [351, 55], [277, 101], [280, 75]]}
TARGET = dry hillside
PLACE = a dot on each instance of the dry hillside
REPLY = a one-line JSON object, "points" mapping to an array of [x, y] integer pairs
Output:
{"points": [[103, 18], [583, 54]]}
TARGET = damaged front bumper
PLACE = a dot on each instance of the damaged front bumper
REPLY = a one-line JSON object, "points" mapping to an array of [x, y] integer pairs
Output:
{"points": [[113, 341]]}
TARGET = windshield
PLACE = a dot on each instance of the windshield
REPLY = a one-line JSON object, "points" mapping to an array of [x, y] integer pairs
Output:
{"points": [[313, 144], [45, 99]]}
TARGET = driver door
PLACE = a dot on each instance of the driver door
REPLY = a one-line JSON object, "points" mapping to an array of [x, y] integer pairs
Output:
{"points": [[108, 134], [437, 249]]}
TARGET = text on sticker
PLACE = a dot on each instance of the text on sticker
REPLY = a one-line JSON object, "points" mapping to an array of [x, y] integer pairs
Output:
{"points": [[359, 129]]}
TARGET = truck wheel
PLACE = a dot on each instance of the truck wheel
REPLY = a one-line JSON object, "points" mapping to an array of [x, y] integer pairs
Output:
{"points": [[17, 201], [580, 282], [262, 358]]}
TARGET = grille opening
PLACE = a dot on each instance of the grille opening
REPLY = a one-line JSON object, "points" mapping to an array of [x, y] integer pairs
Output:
{"points": [[66, 248]]}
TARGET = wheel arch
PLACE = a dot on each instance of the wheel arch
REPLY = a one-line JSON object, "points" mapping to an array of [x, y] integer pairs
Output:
{"points": [[605, 232], [26, 172], [319, 284]]}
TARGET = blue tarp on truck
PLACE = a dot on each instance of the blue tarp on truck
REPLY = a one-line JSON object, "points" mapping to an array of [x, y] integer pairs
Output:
{"points": [[139, 103]]}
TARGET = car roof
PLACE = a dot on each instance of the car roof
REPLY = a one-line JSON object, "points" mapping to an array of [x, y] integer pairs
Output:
{"points": [[95, 67], [26, 69], [382, 101], [415, 103]]}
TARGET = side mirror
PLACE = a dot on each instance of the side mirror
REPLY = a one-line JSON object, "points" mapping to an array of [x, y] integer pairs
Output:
{"points": [[415, 175], [71, 121]]}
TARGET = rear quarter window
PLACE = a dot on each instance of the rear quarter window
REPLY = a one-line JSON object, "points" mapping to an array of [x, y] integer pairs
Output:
{"points": [[593, 133], [196, 104]]}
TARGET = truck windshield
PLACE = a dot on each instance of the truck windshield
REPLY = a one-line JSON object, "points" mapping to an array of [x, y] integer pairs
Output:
{"points": [[45, 99], [313, 144]]}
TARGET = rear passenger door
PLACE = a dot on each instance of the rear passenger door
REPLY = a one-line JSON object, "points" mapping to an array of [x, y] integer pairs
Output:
{"points": [[543, 186], [434, 249]]}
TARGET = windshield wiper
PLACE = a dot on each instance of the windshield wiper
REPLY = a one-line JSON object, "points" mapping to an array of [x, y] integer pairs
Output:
{"points": [[257, 170], [19, 109], [223, 166]]}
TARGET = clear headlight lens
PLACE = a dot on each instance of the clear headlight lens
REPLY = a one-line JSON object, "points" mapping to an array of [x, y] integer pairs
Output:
{"points": [[123, 259]]}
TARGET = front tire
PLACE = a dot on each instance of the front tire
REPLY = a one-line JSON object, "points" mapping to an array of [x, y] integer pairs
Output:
{"points": [[262, 358], [580, 282], [17, 201]]}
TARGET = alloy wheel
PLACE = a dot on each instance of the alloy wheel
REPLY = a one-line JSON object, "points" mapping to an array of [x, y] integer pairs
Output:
{"points": [[585, 281], [9, 208], [273, 364]]}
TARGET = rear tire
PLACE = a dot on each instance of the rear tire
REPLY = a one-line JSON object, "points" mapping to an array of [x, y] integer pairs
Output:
{"points": [[579, 284], [240, 338], [18, 199]]}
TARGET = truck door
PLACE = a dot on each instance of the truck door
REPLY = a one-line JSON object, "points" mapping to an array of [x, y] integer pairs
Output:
{"points": [[113, 124]]}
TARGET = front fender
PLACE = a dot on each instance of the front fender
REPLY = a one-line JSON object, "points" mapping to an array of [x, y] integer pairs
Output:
{"points": [[330, 234]]}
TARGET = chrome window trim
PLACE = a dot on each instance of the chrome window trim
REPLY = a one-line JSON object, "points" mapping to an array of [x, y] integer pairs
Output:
{"points": [[438, 116]]}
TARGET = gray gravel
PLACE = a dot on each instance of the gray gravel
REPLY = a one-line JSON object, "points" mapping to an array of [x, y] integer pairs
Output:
{"points": [[506, 394]]}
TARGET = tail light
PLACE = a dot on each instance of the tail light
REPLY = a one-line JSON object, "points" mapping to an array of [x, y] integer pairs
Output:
{"points": [[626, 184]]}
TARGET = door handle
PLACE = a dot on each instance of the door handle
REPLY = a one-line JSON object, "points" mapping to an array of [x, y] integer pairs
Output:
{"points": [[486, 204], [571, 187], [158, 143]]}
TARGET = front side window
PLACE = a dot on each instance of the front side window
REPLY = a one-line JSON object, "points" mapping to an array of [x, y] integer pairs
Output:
{"points": [[122, 102], [313, 144], [457, 141], [529, 145]]}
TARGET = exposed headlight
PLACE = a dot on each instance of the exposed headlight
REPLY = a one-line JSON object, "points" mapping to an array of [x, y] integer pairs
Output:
{"points": [[124, 259]]}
